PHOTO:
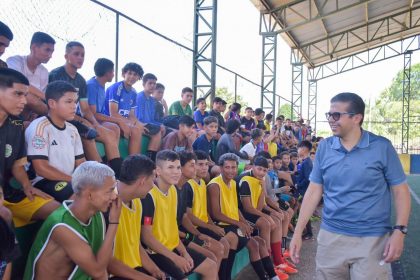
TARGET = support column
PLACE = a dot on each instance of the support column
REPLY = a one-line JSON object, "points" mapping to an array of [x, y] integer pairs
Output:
{"points": [[297, 81], [268, 75], [406, 96], [204, 56], [312, 99]]}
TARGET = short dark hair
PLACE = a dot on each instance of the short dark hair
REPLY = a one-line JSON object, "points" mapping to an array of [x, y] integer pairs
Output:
{"points": [[9, 76], [232, 126], [256, 132], [259, 111], [55, 90], [5, 31], [166, 155], [217, 100], [201, 155], [249, 108], [281, 117], [293, 155], [264, 154], [199, 100], [73, 44], [228, 157], [149, 76], [269, 117], [356, 103], [261, 161], [40, 38], [210, 119], [159, 86], [134, 67], [235, 107], [103, 66], [186, 120], [276, 158], [135, 166], [282, 154], [186, 156], [186, 90], [305, 144]]}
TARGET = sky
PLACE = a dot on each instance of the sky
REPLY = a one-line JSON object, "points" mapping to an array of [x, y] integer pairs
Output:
{"points": [[238, 45]]}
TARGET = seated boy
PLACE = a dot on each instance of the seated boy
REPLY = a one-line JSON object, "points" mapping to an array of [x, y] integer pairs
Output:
{"points": [[257, 213], [159, 224], [28, 203], [72, 242], [161, 107], [145, 113], [191, 237], [180, 140], [206, 142], [200, 114], [106, 126], [182, 107], [223, 201], [130, 259], [120, 104], [54, 145]]}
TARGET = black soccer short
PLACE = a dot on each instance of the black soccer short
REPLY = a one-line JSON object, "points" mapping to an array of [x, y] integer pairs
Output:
{"points": [[169, 267], [242, 240], [139, 269], [210, 233], [60, 190]]}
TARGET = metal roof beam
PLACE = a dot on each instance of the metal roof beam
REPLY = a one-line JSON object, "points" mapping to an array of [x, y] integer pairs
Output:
{"points": [[364, 58], [282, 11], [343, 38]]}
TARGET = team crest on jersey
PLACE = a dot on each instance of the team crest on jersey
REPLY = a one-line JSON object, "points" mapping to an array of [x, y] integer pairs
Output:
{"points": [[8, 150], [38, 142], [60, 185]]}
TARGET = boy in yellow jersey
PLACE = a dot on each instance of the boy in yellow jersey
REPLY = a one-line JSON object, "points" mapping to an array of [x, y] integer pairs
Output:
{"points": [[130, 260], [160, 228], [191, 237], [259, 214], [223, 201], [198, 214]]}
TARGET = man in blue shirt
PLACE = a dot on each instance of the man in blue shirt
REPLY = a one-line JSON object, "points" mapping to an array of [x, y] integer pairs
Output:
{"points": [[146, 113], [120, 104], [355, 171]]}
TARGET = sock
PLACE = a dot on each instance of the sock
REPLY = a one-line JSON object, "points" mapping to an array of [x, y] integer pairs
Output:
{"points": [[115, 165], [152, 155], [276, 253], [284, 243], [222, 269], [268, 267], [259, 269], [229, 263], [309, 228]]}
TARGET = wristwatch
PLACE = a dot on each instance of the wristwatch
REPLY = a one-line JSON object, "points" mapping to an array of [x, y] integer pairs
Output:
{"points": [[401, 228]]}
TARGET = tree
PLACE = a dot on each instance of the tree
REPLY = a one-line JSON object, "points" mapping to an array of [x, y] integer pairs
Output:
{"points": [[286, 110], [229, 97], [385, 115]]}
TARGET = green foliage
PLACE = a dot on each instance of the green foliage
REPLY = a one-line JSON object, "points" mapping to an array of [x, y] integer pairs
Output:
{"points": [[229, 97], [385, 115], [286, 110]]}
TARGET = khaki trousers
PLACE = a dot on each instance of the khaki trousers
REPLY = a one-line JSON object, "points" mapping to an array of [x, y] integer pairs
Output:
{"points": [[341, 257]]}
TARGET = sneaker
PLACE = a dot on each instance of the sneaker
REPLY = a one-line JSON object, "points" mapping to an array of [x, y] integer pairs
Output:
{"points": [[288, 269], [286, 254], [308, 236], [290, 264], [281, 274]]}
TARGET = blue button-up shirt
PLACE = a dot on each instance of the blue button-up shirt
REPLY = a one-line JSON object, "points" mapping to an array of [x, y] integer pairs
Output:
{"points": [[357, 184]]}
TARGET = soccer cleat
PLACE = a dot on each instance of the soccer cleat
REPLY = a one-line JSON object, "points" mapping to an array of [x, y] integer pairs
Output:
{"points": [[286, 254], [288, 269], [290, 264], [281, 274]]}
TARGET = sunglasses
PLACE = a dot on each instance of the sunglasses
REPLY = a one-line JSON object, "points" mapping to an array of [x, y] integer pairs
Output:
{"points": [[337, 115]]}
